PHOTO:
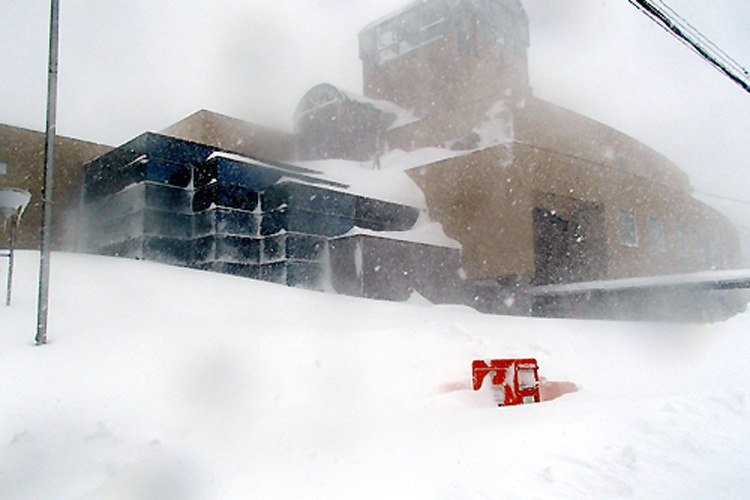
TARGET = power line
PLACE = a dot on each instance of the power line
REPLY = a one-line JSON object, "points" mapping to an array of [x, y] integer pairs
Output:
{"points": [[694, 31], [681, 28], [721, 197], [695, 40]]}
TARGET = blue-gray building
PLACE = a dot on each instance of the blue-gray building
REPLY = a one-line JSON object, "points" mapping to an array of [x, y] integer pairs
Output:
{"points": [[179, 202]]}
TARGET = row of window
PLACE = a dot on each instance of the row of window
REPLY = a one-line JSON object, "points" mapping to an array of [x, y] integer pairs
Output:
{"points": [[418, 26], [687, 245], [427, 22], [629, 232], [505, 27]]}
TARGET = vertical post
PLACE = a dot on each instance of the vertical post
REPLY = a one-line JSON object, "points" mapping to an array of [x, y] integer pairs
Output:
{"points": [[13, 224], [49, 167]]}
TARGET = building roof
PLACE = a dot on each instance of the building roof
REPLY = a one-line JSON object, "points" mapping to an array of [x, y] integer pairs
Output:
{"points": [[512, 5], [232, 134], [325, 94]]}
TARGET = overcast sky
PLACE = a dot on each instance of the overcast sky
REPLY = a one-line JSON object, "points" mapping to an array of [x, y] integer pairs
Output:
{"points": [[135, 65]]}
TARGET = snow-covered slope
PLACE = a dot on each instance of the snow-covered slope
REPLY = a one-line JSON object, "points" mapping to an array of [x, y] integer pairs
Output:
{"points": [[165, 383]]}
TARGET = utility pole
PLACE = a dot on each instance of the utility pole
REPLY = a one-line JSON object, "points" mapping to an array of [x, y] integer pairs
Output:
{"points": [[49, 169]]}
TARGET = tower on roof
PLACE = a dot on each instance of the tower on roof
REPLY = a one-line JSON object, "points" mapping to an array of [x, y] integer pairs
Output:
{"points": [[438, 55]]}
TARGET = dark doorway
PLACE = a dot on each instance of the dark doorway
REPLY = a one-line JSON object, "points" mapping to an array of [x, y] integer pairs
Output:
{"points": [[570, 248], [555, 244]]}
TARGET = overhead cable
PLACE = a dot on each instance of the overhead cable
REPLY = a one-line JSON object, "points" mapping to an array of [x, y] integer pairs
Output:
{"points": [[721, 197], [678, 27]]}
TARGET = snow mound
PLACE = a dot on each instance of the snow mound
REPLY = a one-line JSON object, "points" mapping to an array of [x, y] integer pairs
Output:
{"points": [[167, 383]]}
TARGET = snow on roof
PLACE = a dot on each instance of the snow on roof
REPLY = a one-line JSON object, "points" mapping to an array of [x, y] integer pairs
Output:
{"points": [[403, 116], [263, 163], [497, 128], [425, 231], [388, 183], [292, 171], [391, 183]]}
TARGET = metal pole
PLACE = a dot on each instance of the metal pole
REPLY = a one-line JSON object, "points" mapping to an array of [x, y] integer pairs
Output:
{"points": [[13, 225], [49, 167]]}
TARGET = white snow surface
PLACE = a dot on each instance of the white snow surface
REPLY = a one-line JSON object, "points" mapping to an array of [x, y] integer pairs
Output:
{"points": [[425, 231], [390, 182], [498, 128], [167, 383], [403, 116]]}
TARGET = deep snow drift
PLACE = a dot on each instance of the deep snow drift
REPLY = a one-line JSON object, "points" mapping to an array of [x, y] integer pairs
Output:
{"points": [[165, 383]]}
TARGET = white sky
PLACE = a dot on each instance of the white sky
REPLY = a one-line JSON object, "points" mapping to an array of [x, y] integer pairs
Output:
{"points": [[126, 67]]}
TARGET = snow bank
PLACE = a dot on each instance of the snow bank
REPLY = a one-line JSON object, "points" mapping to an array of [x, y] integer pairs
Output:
{"points": [[171, 383]]}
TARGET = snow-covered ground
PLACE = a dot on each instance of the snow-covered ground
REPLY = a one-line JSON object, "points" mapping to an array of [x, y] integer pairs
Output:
{"points": [[165, 383]]}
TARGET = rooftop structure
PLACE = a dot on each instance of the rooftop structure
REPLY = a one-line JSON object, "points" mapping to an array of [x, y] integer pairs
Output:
{"points": [[535, 194], [360, 126], [436, 55]]}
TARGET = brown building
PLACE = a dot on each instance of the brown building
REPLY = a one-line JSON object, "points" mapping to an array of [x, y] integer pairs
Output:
{"points": [[535, 194], [569, 199], [22, 166], [437, 55], [539, 194], [231, 134]]}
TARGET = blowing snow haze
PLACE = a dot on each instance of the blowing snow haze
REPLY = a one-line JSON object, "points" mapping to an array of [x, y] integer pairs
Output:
{"points": [[142, 65], [172, 382]]}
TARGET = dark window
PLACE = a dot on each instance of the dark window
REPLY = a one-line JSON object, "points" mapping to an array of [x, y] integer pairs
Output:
{"points": [[628, 229], [411, 29], [656, 235], [682, 241]]}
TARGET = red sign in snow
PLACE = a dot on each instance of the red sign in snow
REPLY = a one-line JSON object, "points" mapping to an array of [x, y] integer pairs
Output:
{"points": [[514, 381]]}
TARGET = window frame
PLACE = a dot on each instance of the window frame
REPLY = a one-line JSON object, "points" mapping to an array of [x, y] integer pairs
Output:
{"points": [[405, 40], [656, 227], [626, 219], [682, 241]]}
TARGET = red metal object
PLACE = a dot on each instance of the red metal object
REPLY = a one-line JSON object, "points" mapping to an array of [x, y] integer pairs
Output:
{"points": [[514, 381]]}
